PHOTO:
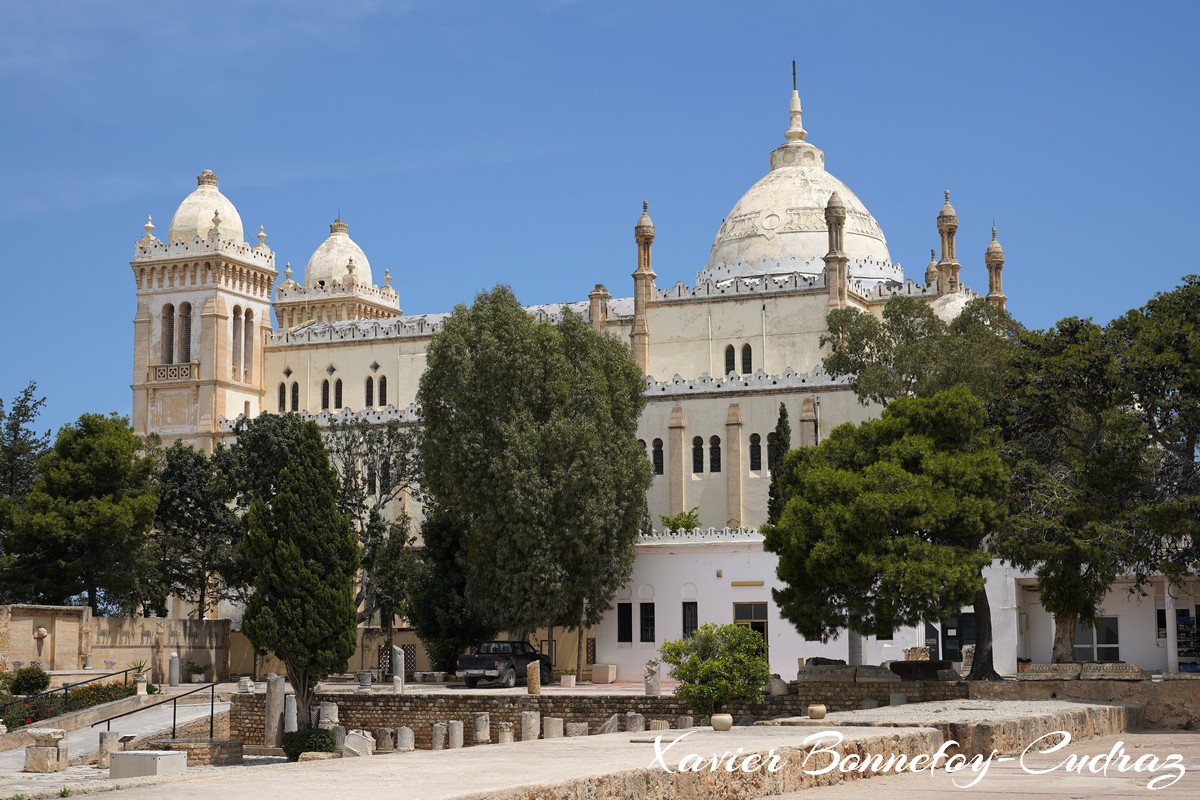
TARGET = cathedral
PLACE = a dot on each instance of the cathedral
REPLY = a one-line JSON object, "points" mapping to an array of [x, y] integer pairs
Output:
{"points": [[218, 335]]}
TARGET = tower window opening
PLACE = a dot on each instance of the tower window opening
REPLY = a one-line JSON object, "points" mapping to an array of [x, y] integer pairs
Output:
{"points": [[772, 450], [324, 395], [369, 392], [295, 396], [656, 456], [168, 334], [236, 343], [282, 397], [714, 454], [248, 350], [730, 360], [755, 452], [184, 348], [697, 455], [337, 394], [383, 390], [747, 359]]}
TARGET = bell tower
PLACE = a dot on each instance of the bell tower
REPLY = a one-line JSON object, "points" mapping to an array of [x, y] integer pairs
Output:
{"points": [[203, 314]]}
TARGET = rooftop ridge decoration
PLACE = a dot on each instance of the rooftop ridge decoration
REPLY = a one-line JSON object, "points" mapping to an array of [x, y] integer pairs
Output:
{"points": [[700, 535], [760, 380], [298, 292], [375, 416], [150, 248], [886, 289]]}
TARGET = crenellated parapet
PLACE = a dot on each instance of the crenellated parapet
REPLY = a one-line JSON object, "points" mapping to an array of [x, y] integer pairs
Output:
{"points": [[376, 416], [415, 327], [760, 380], [700, 536], [885, 291], [149, 248]]}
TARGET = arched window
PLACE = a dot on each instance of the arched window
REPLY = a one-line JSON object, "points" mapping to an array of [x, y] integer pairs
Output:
{"points": [[184, 329], [248, 350], [168, 334], [295, 396], [657, 456], [714, 454], [755, 452], [337, 394], [383, 390], [282, 397], [369, 394], [371, 484], [747, 359], [235, 343], [730, 362], [772, 451], [697, 455], [324, 395]]}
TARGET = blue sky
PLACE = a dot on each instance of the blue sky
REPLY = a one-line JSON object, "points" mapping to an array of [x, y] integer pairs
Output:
{"points": [[480, 142]]}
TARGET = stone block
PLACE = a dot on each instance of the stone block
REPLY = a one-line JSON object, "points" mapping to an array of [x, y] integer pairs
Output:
{"points": [[47, 737], [481, 727], [1050, 672], [318, 756], [684, 721], [504, 733], [533, 677], [897, 699], [868, 703], [610, 725], [245, 685], [577, 729], [384, 742], [454, 730], [439, 735], [866, 674], [327, 715], [110, 742], [779, 687], [406, 740], [604, 673], [948, 675], [552, 728], [658, 725], [634, 722], [531, 725], [1112, 672], [141, 763], [339, 736], [45, 758], [359, 743], [916, 654], [831, 673]]}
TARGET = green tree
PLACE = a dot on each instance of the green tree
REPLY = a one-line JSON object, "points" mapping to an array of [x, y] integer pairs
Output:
{"points": [[530, 440], [84, 526], [197, 531], [912, 352], [435, 591], [886, 522], [683, 521], [303, 558], [1081, 470], [783, 443], [377, 464], [717, 664], [1159, 353], [21, 447]]}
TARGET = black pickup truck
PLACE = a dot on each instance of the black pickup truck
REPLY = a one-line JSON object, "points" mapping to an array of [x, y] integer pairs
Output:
{"points": [[500, 661]]}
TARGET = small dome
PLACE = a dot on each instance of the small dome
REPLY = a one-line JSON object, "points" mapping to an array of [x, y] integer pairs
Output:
{"points": [[994, 253], [947, 213], [328, 264], [194, 217], [644, 227]]}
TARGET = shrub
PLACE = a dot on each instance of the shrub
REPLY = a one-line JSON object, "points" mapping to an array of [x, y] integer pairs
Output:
{"points": [[716, 664], [27, 712], [307, 740], [30, 680], [94, 694]]}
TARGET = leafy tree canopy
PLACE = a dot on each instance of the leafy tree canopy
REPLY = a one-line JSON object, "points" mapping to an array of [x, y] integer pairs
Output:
{"points": [[84, 525], [303, 558], [21, 447], [717, 664], [886, 521]]}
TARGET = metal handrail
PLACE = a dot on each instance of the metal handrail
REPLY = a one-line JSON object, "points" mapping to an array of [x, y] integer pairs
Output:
{"points": [[66, 687], [212, 708]]}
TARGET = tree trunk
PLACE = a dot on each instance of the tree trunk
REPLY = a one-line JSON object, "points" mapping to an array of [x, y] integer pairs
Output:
{"points": [[983, 667], [579, 651], [1064, 637]]}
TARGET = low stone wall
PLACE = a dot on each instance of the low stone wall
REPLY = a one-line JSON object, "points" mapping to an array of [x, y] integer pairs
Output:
{"points": [[1170, 704], [205, 752], [419, 711]]}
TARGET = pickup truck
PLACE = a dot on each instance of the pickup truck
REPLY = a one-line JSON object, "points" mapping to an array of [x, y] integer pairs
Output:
{"points": [[500, 661]]}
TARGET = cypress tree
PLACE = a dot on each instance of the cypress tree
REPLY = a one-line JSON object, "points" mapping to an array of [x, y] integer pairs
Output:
{"points": [[776, 499]]}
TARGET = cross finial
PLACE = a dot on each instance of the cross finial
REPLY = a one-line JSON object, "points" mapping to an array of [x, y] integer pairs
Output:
{"points": [[947, 192], [793, 74], [645, 206]]}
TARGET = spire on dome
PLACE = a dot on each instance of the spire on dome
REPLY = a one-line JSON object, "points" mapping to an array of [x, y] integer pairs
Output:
{"points": [[262, 236], [387, 277], [214, 232], [206, 178], [795, 131], [149, 226], [338, 226], [644, 230]]}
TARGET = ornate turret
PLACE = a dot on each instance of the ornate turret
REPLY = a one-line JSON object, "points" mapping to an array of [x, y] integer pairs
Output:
{"points": [[948, 267], [931, 270], [994, 258], [643, 283], [835, 260]]}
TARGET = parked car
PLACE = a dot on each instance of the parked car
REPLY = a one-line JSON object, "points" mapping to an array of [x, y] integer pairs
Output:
{"points": [[500, 661]]}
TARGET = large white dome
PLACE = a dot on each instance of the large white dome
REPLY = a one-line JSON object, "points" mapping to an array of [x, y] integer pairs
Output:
{"points": [[778, 226], [194, 217], [327, 266]]}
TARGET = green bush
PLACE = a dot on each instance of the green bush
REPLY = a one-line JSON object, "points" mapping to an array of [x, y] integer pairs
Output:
{"points": [[93, 694], [716, 664], [307, 740], [30, 680], [26, 712]]}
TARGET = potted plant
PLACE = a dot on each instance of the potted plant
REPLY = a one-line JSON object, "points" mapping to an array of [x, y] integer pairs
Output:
{"points": [[140, 678], [196, 670], [717, 664], [566, 678]]}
